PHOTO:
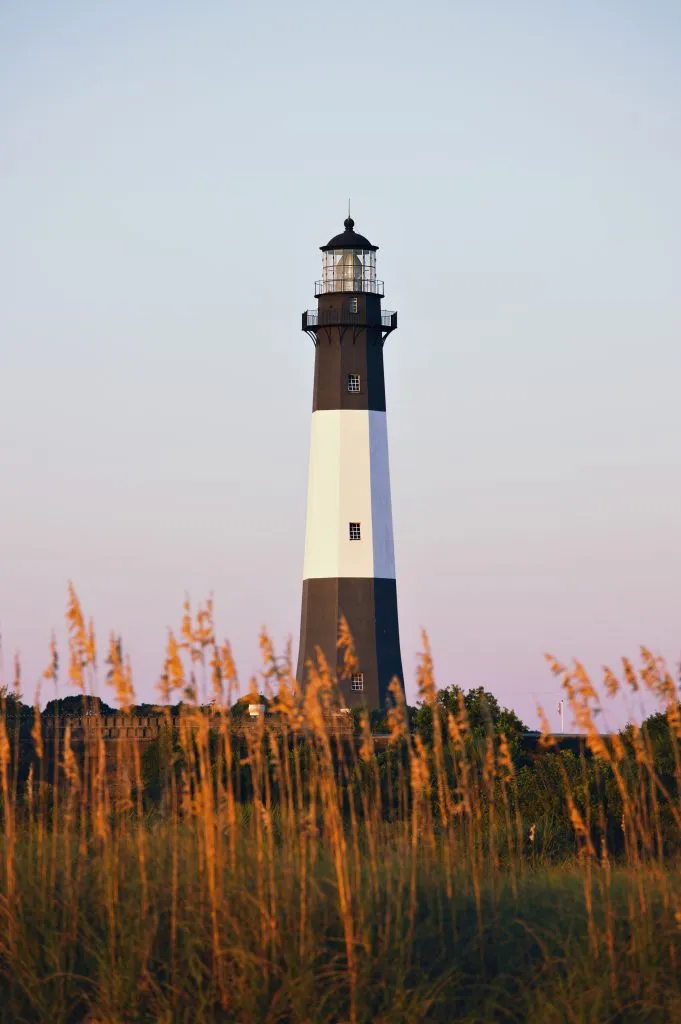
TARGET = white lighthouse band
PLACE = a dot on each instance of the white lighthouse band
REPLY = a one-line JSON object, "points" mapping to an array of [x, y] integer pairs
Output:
{"points": [[349, 483], [349, 565]]}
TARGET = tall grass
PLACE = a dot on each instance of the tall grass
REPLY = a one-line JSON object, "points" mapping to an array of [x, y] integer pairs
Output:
{"points": [[285, 872]]}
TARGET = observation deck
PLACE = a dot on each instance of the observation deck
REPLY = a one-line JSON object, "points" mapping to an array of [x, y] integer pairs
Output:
{"points": [[314, 319]]}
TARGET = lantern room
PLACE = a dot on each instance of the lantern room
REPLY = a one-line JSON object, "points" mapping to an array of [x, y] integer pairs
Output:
{"points": [[349, 264]]}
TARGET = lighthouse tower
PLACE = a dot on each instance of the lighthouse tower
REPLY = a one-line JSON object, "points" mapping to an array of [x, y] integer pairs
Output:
{"points": [[349, 567]]}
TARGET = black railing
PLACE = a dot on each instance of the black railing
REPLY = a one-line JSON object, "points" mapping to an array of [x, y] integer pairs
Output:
{"points": [[314, 318], [345, 284]]}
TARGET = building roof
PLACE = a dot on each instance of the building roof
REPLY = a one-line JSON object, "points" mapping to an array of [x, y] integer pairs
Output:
{"points": [[349, 239]]}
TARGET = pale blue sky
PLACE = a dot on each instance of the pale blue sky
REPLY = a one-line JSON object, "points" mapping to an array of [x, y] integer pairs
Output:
{"points": [[167, 172]]}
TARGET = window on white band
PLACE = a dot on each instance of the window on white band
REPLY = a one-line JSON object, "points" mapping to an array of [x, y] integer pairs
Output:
{"points": [[355, 531]]}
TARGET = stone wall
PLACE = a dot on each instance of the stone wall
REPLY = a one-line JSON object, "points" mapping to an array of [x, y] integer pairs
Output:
{"points": [[146, 729], [109, 727]]}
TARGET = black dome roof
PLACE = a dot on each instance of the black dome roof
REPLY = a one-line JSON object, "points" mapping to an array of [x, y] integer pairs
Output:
{"points": [[349, 239]]}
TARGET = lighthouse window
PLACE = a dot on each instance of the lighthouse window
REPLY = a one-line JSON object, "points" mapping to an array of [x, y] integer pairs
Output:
{"points": [[357, 682], [353, 305], [355, 531], [353, 382]]}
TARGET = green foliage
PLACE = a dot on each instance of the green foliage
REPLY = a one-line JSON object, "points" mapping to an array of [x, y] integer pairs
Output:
{"points": [[146, 710], [484, 713], [77, 706], [12, 708], [658, 739]]}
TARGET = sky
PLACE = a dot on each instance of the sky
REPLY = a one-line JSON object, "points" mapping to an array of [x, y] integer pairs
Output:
{"points": [[167, 174]]}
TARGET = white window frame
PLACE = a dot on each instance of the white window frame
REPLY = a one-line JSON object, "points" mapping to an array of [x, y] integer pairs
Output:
{"points": [[354, 383], [354, 305], [357, 682]]}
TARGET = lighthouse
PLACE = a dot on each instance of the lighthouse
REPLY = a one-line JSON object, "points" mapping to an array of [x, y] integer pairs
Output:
{"points": [[349, 563]]}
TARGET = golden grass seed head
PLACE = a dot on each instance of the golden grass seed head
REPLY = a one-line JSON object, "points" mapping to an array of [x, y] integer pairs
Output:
{"points": [[204, 630], [425, 672], [186, 631], [398, 727], [217, 687], [366, 749], [554, 665], [455, 734], [630, 675], [36, 730], [346, 646], [70, 764], [82, 648], [4, 744], [52, 670], [505, 762], [547, 740], [610, 681], [228, 672]]}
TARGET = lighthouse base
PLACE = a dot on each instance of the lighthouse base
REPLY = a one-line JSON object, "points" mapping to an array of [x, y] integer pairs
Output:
{"points": [[370, 608]]}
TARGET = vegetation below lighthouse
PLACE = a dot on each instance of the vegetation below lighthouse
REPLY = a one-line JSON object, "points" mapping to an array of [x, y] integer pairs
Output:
{"points": [[290, 866]]}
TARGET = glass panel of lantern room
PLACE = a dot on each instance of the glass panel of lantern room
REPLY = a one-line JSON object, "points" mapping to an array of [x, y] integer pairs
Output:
{"points": [[349, 271], [370, 270], [328, 265]]}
